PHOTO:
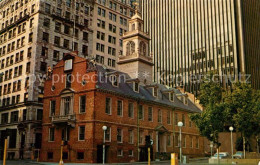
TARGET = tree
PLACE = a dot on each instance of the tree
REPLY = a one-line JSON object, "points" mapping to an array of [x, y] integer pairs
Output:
{"points": [[242, 110], [211, 121]]}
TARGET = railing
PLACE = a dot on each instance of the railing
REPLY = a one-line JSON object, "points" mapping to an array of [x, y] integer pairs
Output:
{"points": [[64, 118]]}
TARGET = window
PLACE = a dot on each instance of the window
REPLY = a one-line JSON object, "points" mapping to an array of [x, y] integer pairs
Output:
{"points": [[57, 40], [171, 96], [82, 104], [56, 55], [28, 67], [101, 24], [66, 29], [119, 152], [39, 114], [14, 117], [197, 143], [115, 80], [155, 92], [141, 137], [51, 134], [65, 134], [45, 37], [131, 110], [65, 155], [176, 140], [57, 26], [29, 52], [130, 153], [112, 28], [184, 142], [130, 48], [85, 36], [176, 119], [82, 133], [131, 137], [68, 80], [30, 37], [159, 116], [120, 108], [169, 140], [150, 114], [4, 118], [80, 155], [52, 107], [50, 155], [43, 66], [119, 135], [66, 44], [46, 22], [190, 123], [108, 134], [108, 105], [44, 52], [183, 119], [141, 112], [31, 22], [47, 8], [168, 117], [191, 142], [112, 16]]}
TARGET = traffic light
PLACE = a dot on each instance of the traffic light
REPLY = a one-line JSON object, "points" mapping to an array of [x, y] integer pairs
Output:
{"points": [[147, 140]]}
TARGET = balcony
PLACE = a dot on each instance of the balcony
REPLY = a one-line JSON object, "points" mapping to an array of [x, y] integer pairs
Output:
{"points": [[64, 119]]}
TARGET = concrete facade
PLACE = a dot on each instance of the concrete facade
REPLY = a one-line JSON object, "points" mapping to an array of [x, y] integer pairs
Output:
{"points": [[34, 35]]}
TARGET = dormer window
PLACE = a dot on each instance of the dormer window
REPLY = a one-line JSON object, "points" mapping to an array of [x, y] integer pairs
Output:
{"points": [[171, 96], [185, 100], [136, 87], [155, 92], [115, 80]]}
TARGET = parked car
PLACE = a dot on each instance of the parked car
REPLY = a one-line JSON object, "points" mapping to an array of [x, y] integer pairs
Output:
{"points": [[238, 155], [222, 155]]}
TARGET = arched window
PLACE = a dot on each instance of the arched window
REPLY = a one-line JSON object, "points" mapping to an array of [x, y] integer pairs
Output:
{"points": [[140, 26], [142, 48], [130, 48], [133, 27]]}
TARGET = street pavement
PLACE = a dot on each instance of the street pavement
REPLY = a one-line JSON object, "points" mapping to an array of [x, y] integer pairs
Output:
{"points": [[29, 162]]}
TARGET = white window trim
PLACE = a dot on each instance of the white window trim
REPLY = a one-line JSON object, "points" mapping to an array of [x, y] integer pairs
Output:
{"points": [[109, 106], [155, 88], [191, 143], [122, 137], [122, 108], [80, 103], [109, 134], [121, 153], [171, 98], [133, 114], [50, 115], [50, 135], [132, 155], [152, 114], [135, 86], [79, 132], [133, 137]]}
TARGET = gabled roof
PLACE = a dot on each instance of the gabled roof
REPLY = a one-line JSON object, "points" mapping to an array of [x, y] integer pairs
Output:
{"points": [[144, 94]]}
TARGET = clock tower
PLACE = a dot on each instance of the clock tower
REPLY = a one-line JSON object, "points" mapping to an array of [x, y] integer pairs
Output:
{"points": [[136, 61]]}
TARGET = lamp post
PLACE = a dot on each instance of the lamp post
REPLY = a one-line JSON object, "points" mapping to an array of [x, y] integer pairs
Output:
{"points": [[180, 124], [104, 141], [231, 130]]}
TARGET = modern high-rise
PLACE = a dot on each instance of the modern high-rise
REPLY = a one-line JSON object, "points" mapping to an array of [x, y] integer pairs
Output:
{"points": [[195, 37], [34, 35]]}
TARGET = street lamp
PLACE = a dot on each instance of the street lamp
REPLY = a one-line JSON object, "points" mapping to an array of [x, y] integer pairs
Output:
{"points": [[104, 141], [180, 124], [231, 130]]}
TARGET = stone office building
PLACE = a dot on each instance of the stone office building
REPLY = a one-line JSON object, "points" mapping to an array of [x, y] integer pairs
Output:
{"points": [[34, 34], [81, 97]]}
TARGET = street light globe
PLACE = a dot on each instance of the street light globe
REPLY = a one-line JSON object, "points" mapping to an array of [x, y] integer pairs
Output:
{"points": [[180, 124], [104, 128], [231, 128]]}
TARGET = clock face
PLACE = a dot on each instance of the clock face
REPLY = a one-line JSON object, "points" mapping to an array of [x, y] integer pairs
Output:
{"points": [[68, 65]]}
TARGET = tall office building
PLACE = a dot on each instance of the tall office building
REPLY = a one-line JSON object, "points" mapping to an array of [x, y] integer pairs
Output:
{"points": [[195, 37], [110, 21], [34, 34]]}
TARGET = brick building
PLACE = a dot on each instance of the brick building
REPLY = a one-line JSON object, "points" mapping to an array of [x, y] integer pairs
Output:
{"points": [[81, 97]]}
